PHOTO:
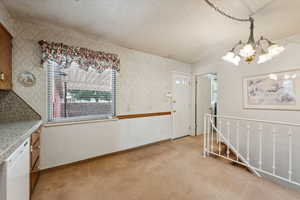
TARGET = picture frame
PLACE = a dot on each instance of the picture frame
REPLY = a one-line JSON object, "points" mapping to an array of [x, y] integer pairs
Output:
{"points": [[272, 91]]}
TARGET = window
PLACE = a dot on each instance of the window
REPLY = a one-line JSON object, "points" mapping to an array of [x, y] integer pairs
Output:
{"points": [[75, 93]]}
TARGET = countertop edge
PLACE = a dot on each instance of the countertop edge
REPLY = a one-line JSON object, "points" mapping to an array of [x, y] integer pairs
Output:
{"points": [[19, 141]]}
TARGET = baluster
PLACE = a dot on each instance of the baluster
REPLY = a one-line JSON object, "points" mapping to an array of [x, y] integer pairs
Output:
{"points": [[217, 135], [248, 142], [212, 134], [204, 138], [237, 138], [274, 149], [208, 134], [220, 129], [260, 145], [228, 138], [290, 153]]}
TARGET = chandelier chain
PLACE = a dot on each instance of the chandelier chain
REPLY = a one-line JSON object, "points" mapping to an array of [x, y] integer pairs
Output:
{"points": [[250, 19]]}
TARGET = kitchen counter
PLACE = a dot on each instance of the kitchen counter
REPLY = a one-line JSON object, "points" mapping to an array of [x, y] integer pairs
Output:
{"points": [[12, 134]]}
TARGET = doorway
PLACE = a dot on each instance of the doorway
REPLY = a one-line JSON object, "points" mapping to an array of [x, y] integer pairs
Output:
{"points": [[206, 99], [181, 104]]}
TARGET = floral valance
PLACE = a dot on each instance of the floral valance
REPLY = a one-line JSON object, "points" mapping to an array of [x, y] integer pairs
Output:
{"points": [[65, 55]]}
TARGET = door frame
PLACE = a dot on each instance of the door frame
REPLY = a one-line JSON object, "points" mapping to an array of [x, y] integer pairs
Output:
{"points": [[195, 75], [190, 75]]}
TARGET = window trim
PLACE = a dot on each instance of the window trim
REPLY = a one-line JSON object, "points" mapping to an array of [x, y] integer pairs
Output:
{"points": [[61, 123], [79, 119]]}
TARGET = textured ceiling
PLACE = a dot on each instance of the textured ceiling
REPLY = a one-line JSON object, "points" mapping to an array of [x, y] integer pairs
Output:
{"points": [[186, 30]]}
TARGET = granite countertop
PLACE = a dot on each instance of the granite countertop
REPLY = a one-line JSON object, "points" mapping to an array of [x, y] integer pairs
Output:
{"points": [[12, 134]]}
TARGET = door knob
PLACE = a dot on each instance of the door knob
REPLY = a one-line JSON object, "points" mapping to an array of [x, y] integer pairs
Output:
{"points": [[174, 111]]}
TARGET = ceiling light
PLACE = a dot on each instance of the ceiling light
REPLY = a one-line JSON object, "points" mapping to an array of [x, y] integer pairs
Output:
{"points": [[247, 51], [252, 49], [232, 58], [236, 60], [264, 57], [275, 49]]}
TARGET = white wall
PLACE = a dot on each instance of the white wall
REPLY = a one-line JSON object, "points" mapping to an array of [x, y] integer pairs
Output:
{"points": [[65, 144], [143, 81], [230, 80]]}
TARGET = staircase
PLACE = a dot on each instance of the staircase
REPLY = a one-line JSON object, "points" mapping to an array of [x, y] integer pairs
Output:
{"points": [[221, 149], [265, 148]]}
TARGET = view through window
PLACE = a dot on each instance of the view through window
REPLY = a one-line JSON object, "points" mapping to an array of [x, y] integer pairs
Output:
{"points": [[75, 94]]}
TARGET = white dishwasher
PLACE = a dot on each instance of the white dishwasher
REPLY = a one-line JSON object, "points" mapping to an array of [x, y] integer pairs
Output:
{"points": [[15, 174]]}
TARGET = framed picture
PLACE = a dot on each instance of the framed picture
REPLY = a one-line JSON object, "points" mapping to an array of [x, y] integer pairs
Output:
{"points": [[278, 90]]}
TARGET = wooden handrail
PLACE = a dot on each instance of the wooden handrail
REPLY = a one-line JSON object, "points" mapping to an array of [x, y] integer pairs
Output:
{"points": [[142, 115]]}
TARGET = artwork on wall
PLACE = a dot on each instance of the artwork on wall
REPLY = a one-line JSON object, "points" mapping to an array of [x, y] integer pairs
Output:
{"points": [[278, 90]]}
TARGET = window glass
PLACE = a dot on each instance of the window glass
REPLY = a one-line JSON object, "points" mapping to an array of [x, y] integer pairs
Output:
{"points": [[75, 94]]}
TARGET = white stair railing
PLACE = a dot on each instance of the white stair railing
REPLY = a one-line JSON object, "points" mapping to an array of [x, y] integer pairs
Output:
{"points": [[254, 144]]}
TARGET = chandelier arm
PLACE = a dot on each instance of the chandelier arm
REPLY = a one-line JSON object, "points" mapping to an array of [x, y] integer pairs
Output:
{"points": [[262, 38], [260, 45], [240, 43], [227, 15]]}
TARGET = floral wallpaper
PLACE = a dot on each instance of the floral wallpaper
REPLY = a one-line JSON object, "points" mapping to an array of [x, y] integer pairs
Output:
{"points": [[142, 83], [85, 58]]}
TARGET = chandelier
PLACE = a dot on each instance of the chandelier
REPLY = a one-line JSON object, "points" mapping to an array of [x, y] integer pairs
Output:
{"points": [[261, 50]]}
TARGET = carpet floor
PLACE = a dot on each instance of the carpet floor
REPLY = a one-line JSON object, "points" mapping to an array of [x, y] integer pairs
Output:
{"points": [[171, 170]]}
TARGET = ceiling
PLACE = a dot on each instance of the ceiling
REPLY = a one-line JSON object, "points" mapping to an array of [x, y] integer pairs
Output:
{"points": [[184, 30]]}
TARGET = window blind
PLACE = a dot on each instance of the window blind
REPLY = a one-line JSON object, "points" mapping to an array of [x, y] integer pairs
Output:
{"points": [[76, 94]]}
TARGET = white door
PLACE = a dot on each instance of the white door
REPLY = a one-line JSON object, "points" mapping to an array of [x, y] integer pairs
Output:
{"points": [[203, 101], [181, 104]]}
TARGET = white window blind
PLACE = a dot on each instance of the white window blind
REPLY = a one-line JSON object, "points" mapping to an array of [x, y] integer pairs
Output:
{"points": [[76, 94]]}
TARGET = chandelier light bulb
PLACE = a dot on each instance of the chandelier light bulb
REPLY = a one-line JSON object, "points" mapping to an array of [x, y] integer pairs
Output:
{"points": [[247, 51], [232, 58], [264, 58], [229, 56], [275, 49], [236, 60]]}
